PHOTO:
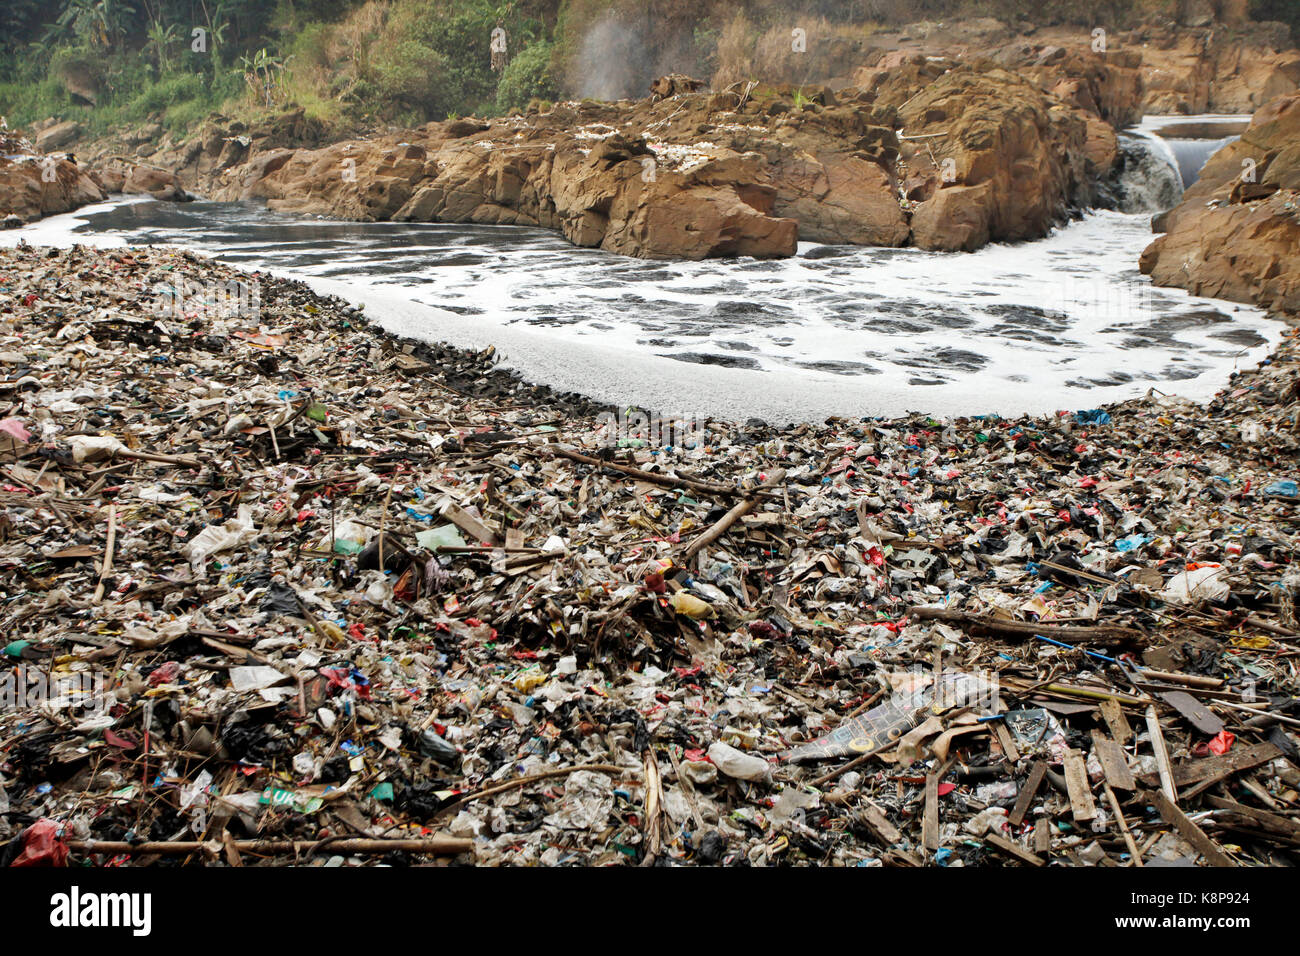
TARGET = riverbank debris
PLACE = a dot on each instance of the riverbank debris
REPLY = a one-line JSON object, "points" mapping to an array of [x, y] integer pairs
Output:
{"points": [[279, 587]]}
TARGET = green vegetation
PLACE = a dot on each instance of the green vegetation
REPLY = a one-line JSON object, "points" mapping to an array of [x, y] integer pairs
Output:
{"points": [[346, 62], [527, 77]]}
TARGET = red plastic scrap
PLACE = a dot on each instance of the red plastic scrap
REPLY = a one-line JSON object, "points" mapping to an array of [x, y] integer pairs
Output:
{"points": [[1218, 745], [42, 846]]}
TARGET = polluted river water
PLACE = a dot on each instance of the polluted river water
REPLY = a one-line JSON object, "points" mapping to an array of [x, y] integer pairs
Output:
{"points": [[1064, 322]]}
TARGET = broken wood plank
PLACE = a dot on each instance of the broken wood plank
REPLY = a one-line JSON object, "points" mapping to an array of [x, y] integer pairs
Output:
{"points": [[1042, 837], [879, 824], [1013, 849], [930, 824], [1113, 762], [1273, 822], [1162, 755], [1194, 712], [1007, 742], [1027, 792], [1198, 838], [1116, 721], [1213, 769], [472, 526], [977, 623], [1082, 806]]}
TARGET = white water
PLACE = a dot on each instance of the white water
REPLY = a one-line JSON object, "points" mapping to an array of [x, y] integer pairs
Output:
{"points": [[1063, 323], [1188, 153]]}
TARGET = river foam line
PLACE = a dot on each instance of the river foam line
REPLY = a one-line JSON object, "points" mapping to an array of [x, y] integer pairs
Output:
{"points": [[1065, 322]]}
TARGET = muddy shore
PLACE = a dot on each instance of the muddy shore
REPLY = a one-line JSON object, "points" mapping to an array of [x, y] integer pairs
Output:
{"points": [[290, 579]]}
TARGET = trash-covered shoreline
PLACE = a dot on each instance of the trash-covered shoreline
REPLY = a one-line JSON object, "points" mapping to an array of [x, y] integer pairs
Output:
{"points": [[279, 588]]}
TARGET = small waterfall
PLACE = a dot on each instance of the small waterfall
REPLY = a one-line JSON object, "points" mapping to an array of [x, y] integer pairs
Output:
{"points": [[1149, 178], [1192, 154], [1163, 156]]}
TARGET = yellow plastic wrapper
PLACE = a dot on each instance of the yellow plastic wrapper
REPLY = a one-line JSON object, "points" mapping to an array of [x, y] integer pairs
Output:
{"points": [[688, 604]]}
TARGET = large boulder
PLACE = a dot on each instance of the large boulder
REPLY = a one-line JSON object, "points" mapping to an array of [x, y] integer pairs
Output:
{"points": [[57, 136], [987, 127], [33, 186], [151, 181]]}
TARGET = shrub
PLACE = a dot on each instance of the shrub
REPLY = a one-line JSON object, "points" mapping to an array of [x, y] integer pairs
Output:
{"points": [[413, 76], [528, 76]]}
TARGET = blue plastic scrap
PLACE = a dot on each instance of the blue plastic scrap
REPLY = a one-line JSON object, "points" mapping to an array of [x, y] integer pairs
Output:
{"points": [[1092, 416]]}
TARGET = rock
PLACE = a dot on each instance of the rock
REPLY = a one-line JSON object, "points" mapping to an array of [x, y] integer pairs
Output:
{"points": [[1216, 71], [1235, 238], [989, 128], [81, 83], [1196, 13], [158, 183], [954, 219], [675, 83], [839, 198], [27, 193], [57, 136]]}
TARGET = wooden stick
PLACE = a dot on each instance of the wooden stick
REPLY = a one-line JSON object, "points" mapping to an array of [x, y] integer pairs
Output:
{"points": [[1012, 849], [670, 481], [1190, 832], [107, 566], [383, 519], [1133, 850], [525, 781], [930, 815], [688, 788], [979, 622], [731, 517], [160, 459], [438, 846], [1162, 756]]}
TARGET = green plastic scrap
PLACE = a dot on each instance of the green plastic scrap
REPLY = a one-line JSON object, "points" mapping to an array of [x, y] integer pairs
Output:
{"points": [[444, 536]]}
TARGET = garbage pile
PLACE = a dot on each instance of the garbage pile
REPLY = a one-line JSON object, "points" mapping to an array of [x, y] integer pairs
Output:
{"points": [[277, 587]]}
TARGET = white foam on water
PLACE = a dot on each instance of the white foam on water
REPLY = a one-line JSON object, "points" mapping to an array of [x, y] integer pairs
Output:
{"points": [[1064, 322]]}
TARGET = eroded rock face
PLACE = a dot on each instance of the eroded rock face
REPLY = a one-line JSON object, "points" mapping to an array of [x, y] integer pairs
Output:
{"points": [[989, 155], [32, 185], [1216, 70], [1236, 234], [748, 170], [1230, 65]]}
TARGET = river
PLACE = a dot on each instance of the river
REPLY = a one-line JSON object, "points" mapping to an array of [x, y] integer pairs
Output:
{"points": [[1065, 322]]}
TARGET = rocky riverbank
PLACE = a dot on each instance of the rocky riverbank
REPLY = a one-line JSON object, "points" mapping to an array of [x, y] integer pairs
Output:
{"points": [[944, 137], [1236, 234], [270, 575], [935, 153]]}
